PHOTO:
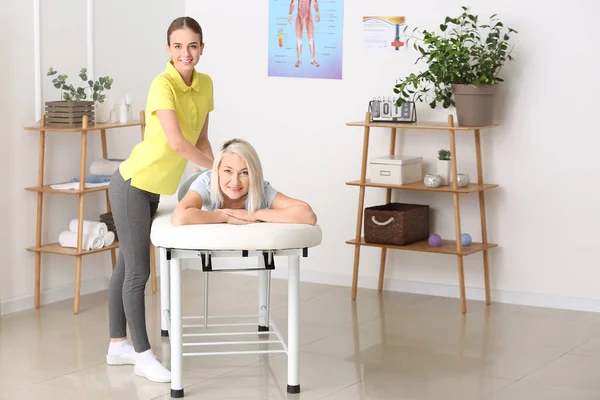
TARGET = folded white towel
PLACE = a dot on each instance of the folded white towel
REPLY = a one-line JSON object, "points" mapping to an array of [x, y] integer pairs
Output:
{"points": [[89, 242], [109, 238], [93, 228], [104, 166]]}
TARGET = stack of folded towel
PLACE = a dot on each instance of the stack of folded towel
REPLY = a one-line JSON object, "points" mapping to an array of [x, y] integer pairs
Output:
{"points": [[95, 235], [107, 218], [101, 170], [105, 166]]}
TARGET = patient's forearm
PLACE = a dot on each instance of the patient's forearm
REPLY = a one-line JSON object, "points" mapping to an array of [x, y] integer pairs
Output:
{"points": [[191, 216], [297, 214]]}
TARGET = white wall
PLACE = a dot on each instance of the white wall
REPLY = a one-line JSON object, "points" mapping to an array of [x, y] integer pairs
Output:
{"points": [[6, 106], [129, 46], [543, 259], [544, 214]]}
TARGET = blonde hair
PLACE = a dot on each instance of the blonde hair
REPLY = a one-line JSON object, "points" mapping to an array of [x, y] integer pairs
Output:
{"points": [[246, 152]]}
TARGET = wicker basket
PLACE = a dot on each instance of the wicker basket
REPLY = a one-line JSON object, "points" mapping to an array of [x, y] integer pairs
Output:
{"points": [[396, 223]]}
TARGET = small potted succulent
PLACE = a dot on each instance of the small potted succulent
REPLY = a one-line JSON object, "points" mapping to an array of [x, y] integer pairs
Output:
{"points": [[444, 166]]}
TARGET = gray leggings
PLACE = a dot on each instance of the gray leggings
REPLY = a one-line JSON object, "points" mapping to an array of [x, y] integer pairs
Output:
{"points": [[132, 210]]}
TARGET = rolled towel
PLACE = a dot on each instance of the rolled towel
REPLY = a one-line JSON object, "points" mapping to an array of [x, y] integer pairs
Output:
{"points": [[104, 166], [109, 238], [89, 242], [93, 228]]}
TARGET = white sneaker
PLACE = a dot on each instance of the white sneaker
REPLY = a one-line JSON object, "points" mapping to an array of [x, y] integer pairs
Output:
{"points": [[125, 359], [154, 372]]}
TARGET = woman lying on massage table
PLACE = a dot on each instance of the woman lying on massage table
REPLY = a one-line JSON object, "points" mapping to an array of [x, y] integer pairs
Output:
{"points": [[235, 192]]}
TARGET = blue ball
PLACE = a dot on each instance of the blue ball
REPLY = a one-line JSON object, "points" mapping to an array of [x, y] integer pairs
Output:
{"points": [[466, 239]]}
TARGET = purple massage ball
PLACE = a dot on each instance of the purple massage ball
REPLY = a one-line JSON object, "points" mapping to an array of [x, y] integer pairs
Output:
{"points": [[435, 240], [466, 239]]}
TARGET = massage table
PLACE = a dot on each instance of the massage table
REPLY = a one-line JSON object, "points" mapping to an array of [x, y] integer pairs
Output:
{"points": [[205, 242]]}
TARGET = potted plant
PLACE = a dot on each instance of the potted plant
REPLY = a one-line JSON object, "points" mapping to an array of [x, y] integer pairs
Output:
{"points": [[463, 65], [70, 110], [443, 166]]}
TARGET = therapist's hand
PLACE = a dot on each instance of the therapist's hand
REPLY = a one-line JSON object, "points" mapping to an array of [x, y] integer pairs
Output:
{"points": [[243, 215]]}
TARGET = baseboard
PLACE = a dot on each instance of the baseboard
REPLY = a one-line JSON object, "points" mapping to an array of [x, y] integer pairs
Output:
{"points": [[442, 290], [55, 294]]}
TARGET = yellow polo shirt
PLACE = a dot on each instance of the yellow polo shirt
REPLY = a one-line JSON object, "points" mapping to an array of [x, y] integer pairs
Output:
{"points": [[153, 165]]}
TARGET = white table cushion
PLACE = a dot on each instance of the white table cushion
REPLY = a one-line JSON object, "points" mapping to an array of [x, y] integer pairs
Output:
{"points": [[255, 236]]}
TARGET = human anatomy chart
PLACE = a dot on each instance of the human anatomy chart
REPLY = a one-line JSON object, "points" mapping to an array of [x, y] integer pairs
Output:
{"points": [[305, 38]]}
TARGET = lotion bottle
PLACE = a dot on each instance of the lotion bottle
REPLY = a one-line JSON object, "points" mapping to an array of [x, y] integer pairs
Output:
{"points": [[123, 112]]}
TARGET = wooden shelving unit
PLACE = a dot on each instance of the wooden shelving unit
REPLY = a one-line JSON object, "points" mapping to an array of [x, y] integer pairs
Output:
{"points": [[451, 247], [41, 189]]}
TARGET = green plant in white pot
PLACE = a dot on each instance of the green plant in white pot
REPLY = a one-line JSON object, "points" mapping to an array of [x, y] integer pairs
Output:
{"points": [[463, 66], [443, 166]]}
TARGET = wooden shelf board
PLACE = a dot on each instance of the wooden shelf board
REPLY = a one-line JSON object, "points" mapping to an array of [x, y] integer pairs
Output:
{"points": [[56, 248], [440, 126], [472, 187], [92, 127], [48, 189], [447, 247]]}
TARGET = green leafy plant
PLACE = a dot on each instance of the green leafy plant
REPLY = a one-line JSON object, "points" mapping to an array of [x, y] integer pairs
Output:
{"points": [[466, 52], [70, 93], [444, 155]]}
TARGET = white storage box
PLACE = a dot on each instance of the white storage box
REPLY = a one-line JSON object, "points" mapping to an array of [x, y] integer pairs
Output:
{"points": [[395, 170]]}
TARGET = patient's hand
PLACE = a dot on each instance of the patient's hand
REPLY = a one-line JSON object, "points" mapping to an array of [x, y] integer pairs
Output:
{"points": [[236, 221], [243, 215]]}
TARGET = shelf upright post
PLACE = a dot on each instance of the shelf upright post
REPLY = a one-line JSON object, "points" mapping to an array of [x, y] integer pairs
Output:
{"points": [[361, 203], [143, 122], [455, 195], [484, 240], [388, 199], [40, 203], [79, 257]]}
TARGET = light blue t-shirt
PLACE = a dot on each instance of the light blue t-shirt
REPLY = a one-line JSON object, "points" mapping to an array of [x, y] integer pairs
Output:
{"points": [[201, 185]]}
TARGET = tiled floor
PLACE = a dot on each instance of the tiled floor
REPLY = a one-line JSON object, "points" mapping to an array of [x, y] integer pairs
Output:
{"points": [[383, 346]]}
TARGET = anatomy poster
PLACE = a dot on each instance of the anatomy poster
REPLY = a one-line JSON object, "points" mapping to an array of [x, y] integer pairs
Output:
{"points": [[305, 38], [384, 33]]}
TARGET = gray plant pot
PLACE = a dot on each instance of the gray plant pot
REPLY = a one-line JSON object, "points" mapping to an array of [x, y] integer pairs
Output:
{"points": [[474, 104]]}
